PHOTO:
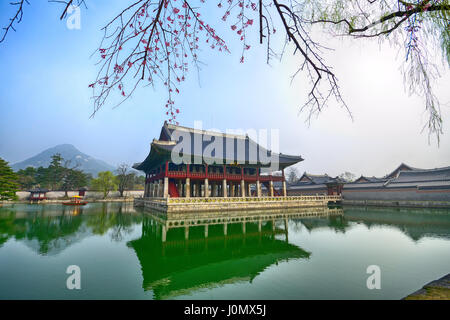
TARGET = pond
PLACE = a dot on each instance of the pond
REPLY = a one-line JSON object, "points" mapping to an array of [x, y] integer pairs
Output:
{"points": [[125, 253]]}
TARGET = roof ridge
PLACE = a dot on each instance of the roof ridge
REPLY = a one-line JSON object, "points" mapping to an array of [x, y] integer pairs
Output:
{"points": [[424, 170], [194, 130]]}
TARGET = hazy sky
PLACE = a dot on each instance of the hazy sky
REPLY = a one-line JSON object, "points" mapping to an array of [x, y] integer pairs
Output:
{"points": [[44, 99]]}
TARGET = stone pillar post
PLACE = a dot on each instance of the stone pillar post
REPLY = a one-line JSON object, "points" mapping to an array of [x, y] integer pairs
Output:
{"points": [[243, 188], [186, 233], [271, 188], [284, 189], [206, 231], [187, 188], [224, 188], [166, 187], [180, 187], [225, 228], [249, 190], [213, 189], [243, 227], [258, 189], [259, 225], [153, 189], [206, 193], [232, 192], [159, 188]]}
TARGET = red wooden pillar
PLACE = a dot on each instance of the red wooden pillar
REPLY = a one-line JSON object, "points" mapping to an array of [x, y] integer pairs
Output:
{"points": [[187, 170], [206, 170]]}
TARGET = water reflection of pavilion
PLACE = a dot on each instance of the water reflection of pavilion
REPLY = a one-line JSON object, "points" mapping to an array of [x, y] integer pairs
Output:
{"points": [[181, 254], [172, 221]]}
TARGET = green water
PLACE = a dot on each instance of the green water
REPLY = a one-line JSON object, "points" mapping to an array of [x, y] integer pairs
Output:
{"points": [[122, 253]]}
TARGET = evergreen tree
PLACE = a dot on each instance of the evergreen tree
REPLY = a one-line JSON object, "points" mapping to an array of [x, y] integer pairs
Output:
{"points": [[27, 178], [56, 172], [8, 182], [73, 179]]}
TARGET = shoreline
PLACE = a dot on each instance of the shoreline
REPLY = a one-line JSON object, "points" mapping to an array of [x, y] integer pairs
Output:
{"points": [[435, 290]]}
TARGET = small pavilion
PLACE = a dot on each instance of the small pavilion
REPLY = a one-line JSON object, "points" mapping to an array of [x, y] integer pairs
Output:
{"points": [[38, 194]]}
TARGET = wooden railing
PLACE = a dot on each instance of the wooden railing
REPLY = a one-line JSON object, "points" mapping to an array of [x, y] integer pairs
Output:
{"points": [[214, 176], [245, 199]]}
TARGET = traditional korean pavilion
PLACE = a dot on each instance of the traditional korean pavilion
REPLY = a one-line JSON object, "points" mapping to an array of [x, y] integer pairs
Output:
{"points": [[187, 162]]}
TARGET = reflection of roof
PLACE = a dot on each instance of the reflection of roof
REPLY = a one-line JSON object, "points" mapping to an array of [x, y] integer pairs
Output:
{"points": [[196, 143], [180, 267], [415, 223]]}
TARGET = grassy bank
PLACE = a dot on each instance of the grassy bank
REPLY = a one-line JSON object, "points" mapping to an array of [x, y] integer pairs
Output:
{"points": [[435, 290]]}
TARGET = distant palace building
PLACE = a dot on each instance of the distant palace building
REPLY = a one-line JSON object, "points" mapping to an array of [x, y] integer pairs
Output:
{"points": [[403, 184], [310, 184], [187, 162]]}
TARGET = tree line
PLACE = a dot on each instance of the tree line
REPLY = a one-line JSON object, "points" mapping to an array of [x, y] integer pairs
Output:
{"points": [[61, 175]]}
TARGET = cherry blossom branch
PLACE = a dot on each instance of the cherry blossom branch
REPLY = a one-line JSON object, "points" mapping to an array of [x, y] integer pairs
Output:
{"points": [[17, 18]]}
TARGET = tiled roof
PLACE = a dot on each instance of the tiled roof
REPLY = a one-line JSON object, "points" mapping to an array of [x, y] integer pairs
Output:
{"points": [[401, 167], [369, 179], [316, 179], [416, 178], [201, 143], [438, 174]]}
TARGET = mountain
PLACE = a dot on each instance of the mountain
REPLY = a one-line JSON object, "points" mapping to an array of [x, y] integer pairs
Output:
{"points": [[86, 163]]}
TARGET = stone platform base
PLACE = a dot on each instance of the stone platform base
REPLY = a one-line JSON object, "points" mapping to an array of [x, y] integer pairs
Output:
{"points": [[233, 204]]}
